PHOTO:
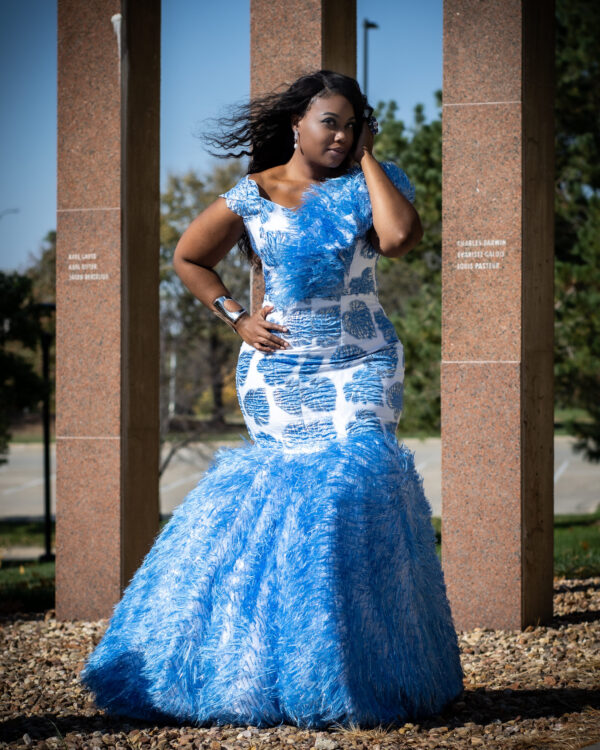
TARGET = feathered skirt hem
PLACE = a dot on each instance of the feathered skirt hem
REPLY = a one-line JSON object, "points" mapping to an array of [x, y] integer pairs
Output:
{"points": [[300, 588]]}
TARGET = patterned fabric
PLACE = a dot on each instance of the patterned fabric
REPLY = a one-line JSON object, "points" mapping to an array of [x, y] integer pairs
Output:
{"points": [[298, 582], [345, 368]]}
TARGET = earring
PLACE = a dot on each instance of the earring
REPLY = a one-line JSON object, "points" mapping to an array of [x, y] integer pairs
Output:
{"points": [[295, 139], [373, 125]]}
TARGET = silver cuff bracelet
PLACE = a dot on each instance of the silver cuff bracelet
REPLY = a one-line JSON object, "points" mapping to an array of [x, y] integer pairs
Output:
{"points": [[232, 315]]}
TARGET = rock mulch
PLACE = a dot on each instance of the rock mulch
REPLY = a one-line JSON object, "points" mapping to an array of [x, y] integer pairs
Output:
{"points": [[537, 688]]}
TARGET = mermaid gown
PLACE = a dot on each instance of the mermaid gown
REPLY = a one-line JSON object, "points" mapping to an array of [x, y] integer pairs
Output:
{"points": [[298, 582]]}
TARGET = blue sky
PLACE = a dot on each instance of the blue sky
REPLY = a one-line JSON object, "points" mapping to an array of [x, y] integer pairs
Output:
{"points": [[205, 67]]}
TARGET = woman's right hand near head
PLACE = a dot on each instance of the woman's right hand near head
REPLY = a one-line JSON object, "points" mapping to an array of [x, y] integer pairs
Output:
{"points": [[256, 330]]}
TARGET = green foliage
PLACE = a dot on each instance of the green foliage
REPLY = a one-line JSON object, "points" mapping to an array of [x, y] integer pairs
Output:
{"points": [[577, 346], [20, 386], [42, 270], [577, 226], [410, 287], [203, 347]]}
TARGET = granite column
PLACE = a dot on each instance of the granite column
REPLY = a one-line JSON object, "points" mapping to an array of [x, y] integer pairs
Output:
{"points": [[107, 299], [497, 312]]}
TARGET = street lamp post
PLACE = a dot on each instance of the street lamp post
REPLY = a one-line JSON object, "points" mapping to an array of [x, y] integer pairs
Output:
{"points": [[366, 26]]}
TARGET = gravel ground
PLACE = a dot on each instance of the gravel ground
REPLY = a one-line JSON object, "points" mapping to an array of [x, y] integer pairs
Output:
{"points": [[537, 688]]}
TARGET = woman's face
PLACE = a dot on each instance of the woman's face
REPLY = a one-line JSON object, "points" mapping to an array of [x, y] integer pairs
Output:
{"points": [[326, 132]]}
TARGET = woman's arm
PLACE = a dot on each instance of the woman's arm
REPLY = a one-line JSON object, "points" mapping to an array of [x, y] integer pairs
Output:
{"points": [[396, 223], [206, 241]]}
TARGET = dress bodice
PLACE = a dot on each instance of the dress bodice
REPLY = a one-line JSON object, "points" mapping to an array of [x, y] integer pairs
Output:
{"points": [[344, 369], [319, 250]]}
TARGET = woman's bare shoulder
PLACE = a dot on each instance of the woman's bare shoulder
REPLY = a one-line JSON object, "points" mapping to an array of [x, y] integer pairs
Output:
{"points": [[278, 186], [268, 177]]}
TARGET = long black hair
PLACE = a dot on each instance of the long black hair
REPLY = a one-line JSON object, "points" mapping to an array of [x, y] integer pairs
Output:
{"points": [[262, 128]]}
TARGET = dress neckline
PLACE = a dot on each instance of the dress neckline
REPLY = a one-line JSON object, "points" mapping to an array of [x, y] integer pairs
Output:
{"points": [[266, 200], [312, 187]]}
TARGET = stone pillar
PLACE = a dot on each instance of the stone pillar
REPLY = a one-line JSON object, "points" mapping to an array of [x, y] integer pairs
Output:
{"points": [[107, 299], [288, 39], [497, 312]]}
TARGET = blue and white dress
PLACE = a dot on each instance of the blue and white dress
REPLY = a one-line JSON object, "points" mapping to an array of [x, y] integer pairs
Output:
{"points": [[298, 582]]}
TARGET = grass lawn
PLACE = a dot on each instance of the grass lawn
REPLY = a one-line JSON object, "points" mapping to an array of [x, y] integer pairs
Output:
{"points": [[577, 545], [28, 586], [23, 534]]}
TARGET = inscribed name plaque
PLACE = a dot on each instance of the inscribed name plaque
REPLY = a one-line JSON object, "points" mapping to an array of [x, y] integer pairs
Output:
{"points": [[84, 267], [481, 278], [488, 259]]}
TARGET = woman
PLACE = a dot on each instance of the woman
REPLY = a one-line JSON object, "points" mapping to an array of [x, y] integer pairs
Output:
{"points": [[298, 582]]}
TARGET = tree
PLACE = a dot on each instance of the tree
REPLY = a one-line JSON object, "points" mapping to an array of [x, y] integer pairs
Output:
{"points": [[20, 386], [202, 345], [42, 270], [577, 226]]}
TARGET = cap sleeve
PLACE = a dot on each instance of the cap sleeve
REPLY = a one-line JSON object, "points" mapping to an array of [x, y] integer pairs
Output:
{"points": [[364, 212], [400, 180], [240, 199]]}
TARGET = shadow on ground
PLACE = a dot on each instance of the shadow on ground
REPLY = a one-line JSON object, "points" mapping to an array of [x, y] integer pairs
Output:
{"points": [[481, 706]]}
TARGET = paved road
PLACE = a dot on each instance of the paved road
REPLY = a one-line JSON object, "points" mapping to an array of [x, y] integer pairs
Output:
{"points": [[576, 482]]}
